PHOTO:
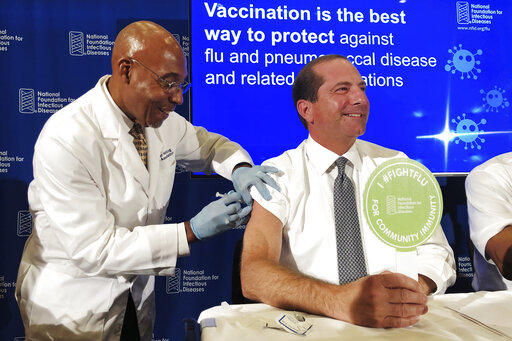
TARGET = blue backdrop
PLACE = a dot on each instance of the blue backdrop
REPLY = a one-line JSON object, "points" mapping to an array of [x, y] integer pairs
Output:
{"points": [[51, 52], [438, 72]]}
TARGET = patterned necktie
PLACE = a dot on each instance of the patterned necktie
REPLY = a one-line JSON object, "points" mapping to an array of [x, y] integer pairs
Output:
{"points": [[140, 142], [351, 262]]}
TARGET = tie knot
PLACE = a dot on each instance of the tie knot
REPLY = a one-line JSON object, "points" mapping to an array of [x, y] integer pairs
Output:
{"points": [[341, 162], [136, 130]]}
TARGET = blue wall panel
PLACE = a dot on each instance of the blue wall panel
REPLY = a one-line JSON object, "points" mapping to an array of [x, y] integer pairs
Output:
{"points": [[51, 52]]}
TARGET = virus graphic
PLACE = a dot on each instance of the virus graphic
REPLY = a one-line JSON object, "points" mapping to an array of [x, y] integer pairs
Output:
{"points": [[463, 61], [494, 99], [467, 131]]}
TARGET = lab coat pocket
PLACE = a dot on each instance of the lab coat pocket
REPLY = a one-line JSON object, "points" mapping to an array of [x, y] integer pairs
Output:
{"points": [[61, 299]]}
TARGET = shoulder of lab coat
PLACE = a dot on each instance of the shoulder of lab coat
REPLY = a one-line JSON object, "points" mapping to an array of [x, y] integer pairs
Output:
{"points": [[202, 151]]}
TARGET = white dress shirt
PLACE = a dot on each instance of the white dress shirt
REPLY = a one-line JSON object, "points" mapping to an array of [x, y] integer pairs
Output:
{"points": [[306, 210], [489, 194]]}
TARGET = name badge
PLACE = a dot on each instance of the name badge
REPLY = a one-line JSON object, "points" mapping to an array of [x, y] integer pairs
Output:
{"points": [[168, 153]]}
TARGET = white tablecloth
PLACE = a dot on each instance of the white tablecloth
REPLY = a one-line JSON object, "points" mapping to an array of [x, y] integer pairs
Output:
{"points": [[246, 322]]}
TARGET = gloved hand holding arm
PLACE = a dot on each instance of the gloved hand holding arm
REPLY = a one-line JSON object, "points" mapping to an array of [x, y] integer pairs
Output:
{"points": [[217, 217], [245, 177]]}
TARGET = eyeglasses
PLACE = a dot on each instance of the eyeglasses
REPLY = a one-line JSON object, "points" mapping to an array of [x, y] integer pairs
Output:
{"points": [[169, 87]]}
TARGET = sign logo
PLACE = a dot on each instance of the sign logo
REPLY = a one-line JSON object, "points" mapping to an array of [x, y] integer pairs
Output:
{"points": [[463, 61], [76, 43], [463, 16], [189, 281], [24, 224], [468, 131], [494, 99], [403, 203], [27, 101], [177, 37], [173, 283]]}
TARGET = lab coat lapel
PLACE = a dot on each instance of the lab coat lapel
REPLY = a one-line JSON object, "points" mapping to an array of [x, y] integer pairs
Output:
{"points": [[112, 126], [130, 159], [154, 151]]}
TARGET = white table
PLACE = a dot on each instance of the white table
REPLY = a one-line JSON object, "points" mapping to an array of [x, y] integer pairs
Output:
{"points": [[246, 322]]}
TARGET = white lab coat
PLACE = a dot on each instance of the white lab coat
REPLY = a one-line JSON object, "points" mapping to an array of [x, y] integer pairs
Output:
{"points": [[98, 217]]}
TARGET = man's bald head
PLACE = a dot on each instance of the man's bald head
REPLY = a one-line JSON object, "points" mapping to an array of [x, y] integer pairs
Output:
{"points": [[143, 38], [145, 59]]}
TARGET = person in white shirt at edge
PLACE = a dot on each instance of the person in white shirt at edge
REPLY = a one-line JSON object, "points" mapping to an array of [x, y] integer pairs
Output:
{"points": [[489, 194], [289, 257], [98, 237]]}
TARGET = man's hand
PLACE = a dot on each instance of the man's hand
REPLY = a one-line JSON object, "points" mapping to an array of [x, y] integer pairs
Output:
{"points": [[387, 300], [219, 216], [427, 285], [245, 177]]}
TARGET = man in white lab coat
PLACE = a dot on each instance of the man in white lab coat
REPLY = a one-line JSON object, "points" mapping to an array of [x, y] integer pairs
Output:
{"points": [[100, 193]]}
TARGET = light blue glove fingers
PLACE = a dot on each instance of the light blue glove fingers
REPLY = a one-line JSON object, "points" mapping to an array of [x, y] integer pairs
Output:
{"points": [[246, 195], [269, 181], [233, 208], [233, 217], [244, 216], [238, 178], [214, 217], [263, 190], [231, 197], [241, 184], [244, 212], [269, 169], [244, 178]]}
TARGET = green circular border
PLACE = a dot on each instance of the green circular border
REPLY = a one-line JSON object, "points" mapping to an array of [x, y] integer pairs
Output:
{"points": [[432, 179]]}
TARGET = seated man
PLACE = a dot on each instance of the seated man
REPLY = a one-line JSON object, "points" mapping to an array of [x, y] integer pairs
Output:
{"points": [[489, 193], [309, 248]]}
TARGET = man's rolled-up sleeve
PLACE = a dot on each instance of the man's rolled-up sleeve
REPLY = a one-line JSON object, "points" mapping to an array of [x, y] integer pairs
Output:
{"points": [[278, 205]]}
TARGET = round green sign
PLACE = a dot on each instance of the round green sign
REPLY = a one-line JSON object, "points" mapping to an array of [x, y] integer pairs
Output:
{"points": [[403, 204]]}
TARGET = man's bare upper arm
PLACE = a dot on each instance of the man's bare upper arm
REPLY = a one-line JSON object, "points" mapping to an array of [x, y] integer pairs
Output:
{"points": [[263, 236], [499, 249]]}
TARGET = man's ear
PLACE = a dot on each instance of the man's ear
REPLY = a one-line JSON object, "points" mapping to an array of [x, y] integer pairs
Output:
{"points": [[305, 111], [123, 69]]}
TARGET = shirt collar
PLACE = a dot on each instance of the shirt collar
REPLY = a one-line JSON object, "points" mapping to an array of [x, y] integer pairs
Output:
{"points": [[323, 158], [129, 123]]}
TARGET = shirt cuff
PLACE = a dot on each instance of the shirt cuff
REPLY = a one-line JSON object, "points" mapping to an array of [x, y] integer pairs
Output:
{"points": [[162, 245], [438, 270], [225, 169], [183, 248]]}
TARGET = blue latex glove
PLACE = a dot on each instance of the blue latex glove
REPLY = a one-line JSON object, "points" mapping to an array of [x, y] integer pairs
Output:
{"points": [[245, 177], [219, 216]]}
